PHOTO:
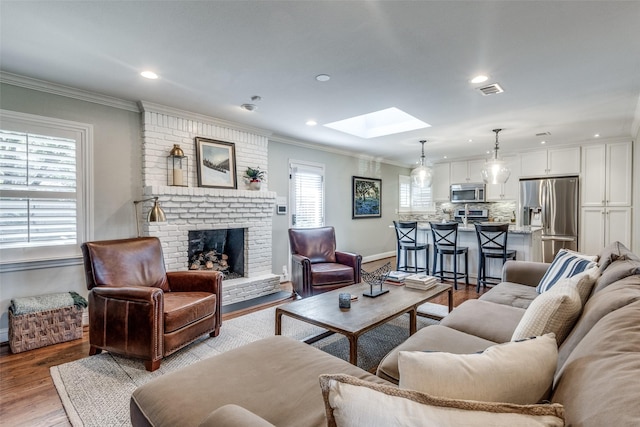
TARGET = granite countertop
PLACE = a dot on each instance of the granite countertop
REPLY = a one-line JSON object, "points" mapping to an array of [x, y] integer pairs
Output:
{"points": [[470, 227]]}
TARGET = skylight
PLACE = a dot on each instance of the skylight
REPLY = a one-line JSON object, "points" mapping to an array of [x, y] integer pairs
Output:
{"points": [[379, 123]]}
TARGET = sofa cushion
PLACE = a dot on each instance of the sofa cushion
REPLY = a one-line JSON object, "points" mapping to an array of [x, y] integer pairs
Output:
{"points": [[553, 311], [514, 372], [617, 270], [613, 297], [565, 264], [273, 378], [233, 416], [184, 308], [431, 338], [327, 273], [351, 402], [614, 251], [513, 294], [487, 320], [598, 384]]}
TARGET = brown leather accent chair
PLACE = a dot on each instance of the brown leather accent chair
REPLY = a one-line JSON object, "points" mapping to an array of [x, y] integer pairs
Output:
{"points": [[138, 309], [316, 265]]}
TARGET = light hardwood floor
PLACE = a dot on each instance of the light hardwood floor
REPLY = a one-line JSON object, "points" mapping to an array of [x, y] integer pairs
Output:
{"points": [[28, 396]]}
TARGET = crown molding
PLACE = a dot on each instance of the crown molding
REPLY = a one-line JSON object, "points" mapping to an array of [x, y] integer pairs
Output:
{"points": [[317, 147], [67, 91], [146, 106]]}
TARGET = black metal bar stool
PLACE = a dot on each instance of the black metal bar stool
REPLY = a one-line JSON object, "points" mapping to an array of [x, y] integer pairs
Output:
{"points": [[445, 242], [492, 243], [407, 235]]}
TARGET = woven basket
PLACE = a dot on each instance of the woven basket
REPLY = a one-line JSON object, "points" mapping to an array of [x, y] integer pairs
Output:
{"points": [[39, 329]]}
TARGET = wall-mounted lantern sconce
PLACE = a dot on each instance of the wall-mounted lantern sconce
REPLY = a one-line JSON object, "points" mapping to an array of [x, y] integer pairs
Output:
{"points": [[177, 167]]}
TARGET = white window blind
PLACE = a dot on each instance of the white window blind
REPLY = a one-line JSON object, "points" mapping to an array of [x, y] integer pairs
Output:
{"points": [[404, 193], [307, 193], [38, 187], [45, 203], [412, 197]]}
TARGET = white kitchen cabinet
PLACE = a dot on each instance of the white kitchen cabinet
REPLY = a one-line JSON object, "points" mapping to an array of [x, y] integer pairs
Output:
{"points": [[601, 226], [606, 175], [556, 161], [440, 182], [466, 171], [509, 190]]}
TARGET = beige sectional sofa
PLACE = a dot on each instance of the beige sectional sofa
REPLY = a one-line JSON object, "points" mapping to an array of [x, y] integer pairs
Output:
{"points": [[275, 381]]}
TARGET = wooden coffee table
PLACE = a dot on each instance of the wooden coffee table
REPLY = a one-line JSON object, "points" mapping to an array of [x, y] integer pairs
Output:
{"points": [[365, 313]]}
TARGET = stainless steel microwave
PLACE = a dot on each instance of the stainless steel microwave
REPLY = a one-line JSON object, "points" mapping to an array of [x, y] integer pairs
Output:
{"points": [[467, 193]]}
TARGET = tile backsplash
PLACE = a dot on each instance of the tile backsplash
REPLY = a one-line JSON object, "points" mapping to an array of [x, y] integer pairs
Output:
{"points": [[498, 211]]}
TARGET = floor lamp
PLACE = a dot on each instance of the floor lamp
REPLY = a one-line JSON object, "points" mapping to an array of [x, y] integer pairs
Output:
{"points": [[156, 214]]}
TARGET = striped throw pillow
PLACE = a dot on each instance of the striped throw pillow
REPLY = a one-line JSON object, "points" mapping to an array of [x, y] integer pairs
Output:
{"points": [[565, 264]]}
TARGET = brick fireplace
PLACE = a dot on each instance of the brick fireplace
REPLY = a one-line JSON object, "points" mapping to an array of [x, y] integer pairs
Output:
{"points": [[195, 208]]}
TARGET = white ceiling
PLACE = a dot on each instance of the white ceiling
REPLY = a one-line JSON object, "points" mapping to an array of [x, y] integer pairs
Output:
{"points": [[568, 68]]}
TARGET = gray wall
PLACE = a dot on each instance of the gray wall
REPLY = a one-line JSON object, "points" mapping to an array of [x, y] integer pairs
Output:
{"points": [[117, 182], [370, 236]]}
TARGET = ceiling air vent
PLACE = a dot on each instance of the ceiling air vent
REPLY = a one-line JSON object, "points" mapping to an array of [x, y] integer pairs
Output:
{"points": [[492, 89], [543, 134]]}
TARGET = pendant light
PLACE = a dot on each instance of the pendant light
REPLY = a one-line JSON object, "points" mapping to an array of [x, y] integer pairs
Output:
{"points": [[495, 171], [422, 175]]}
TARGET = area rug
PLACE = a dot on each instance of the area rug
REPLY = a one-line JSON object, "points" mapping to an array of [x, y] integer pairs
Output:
{"points": [[95, 391]]}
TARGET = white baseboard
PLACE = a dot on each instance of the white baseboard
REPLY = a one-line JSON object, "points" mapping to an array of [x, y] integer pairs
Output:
{"points": [[376, 257]]}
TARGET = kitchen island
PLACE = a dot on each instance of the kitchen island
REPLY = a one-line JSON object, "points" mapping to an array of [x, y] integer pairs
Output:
{"points": [[526, 241]]}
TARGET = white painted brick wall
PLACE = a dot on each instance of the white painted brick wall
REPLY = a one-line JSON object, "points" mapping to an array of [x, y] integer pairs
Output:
{"points": [[196, 208]]}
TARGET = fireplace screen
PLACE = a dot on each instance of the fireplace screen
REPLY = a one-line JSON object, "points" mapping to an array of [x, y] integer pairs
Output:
{"points": [[218, 250]]}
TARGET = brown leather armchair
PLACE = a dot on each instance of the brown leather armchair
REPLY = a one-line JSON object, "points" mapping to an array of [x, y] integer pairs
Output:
{"points": [[138, 309], [316, 266]]}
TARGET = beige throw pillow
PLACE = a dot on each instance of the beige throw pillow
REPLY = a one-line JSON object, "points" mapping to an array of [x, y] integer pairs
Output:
{"points": [[514, 372], [554, 311], [584, 282], [351, 402]]}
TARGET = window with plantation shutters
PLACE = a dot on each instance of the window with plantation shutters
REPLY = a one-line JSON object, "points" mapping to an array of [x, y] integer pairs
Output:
{"points": [[307, 194], [43, 182], [413, 197], [404, 193]]}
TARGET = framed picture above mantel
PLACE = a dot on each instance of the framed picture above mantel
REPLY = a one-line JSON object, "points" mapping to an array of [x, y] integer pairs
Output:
{"points": [[216, 163], [366, 197]]}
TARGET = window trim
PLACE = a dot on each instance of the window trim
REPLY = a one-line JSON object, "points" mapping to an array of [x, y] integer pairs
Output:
{"points": [[18, 259]]}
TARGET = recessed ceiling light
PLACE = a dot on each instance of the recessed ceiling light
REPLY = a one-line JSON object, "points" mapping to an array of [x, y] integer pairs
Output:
{"points": [[597, 135], [444, 157], [488, 152], [379, 123], [471, 140], [323, 77], [311, 123], [543, 142], [479, 79], [249, 107], [149, 75]]}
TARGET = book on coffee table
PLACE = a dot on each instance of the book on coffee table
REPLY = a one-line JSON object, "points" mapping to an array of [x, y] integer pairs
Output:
{"points": [[397, 276], [420, 281]]}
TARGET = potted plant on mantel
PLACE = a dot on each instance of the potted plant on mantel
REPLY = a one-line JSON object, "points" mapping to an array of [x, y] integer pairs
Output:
{"points": [[255, 177]]}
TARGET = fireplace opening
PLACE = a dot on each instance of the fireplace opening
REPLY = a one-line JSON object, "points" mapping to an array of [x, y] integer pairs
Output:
{"points": [[218, 250]]}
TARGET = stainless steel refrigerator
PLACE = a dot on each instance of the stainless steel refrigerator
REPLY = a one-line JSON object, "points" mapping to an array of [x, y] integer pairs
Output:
{"points": [[551, 203]]}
